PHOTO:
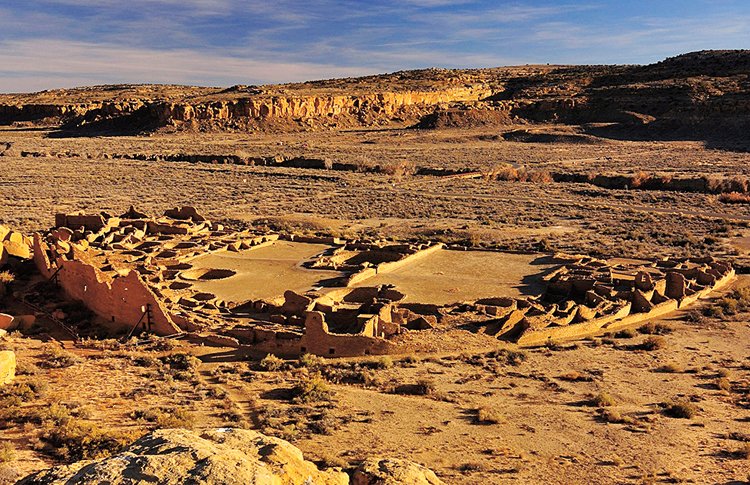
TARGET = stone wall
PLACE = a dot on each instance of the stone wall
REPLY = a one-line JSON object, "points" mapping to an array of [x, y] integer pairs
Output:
{"points": [[119, 300]]}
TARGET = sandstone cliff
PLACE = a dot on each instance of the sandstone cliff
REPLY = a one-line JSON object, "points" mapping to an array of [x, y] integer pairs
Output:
{"points": [[701, 92]]}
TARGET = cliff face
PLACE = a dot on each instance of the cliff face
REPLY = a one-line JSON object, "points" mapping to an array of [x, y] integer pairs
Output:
{"points": [[385, 104], [699, 91]]}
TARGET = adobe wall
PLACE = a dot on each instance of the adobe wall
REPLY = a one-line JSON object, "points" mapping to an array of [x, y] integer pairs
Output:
{"points": [[567, 332], [117, 300], [387, 267], [319, 341], [622, 319]]}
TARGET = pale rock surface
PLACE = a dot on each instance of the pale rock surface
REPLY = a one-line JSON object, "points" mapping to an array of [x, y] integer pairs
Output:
{"points": [[222, 456], [7, 366], [375, 471]]}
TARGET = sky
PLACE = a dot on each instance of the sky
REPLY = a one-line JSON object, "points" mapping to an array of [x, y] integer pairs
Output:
{"points": [[46, 44]]}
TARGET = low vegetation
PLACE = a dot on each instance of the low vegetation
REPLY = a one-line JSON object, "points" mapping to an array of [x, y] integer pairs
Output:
{"points": [[311, 388], [680, 409]]}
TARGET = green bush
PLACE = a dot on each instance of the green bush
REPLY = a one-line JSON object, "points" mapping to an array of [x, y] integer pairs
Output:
{"points": [[311, 388]]}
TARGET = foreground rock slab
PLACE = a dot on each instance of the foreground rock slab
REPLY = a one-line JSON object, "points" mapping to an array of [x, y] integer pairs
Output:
{"points": [[221, 456], [7, 366]]}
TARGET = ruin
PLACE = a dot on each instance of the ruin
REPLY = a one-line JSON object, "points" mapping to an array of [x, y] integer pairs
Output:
{"points": [[181, 274]]}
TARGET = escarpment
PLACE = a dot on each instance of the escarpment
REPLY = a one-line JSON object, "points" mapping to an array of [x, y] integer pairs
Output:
{"points": [[699, 94]]}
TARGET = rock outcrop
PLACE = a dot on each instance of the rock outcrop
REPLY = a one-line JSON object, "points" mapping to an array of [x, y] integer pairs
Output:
{"points": [[393, 472], [222, 456], [701, 94]]}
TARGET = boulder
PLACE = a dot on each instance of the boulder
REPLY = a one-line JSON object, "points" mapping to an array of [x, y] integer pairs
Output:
{"points": [[7, 366], [393, 472], [18, 248], [176, 456]]}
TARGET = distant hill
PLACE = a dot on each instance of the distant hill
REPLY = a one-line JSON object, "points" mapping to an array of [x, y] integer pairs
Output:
{"points": [[695, 95]]}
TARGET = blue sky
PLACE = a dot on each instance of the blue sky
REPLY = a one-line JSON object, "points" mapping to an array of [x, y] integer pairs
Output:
{"points": [[63, 43]]}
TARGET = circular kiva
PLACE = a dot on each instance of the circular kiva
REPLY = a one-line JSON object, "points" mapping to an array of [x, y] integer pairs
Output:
{"points": [[205, 274]]}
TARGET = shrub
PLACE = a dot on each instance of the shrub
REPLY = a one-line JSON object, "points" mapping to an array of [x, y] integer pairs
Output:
{"points": [[181, 362], [24, 391], [652, 328], [7, 452], [165, 417], [26, 368], [694, 316], [145, 361], [486, 415], [311, 388], [602, 399], [271, 363], [56, 357], [425, 387], [6, 277], [385, 362], [575, 376], [410, 359], [326, 425], [79, 440], [723, 384], [552, 345], [421, 388], [540, 177], [611, 416], [56, 414], [626, 333], [510, 357], [9, 474], [680, 409], [653, 343], [734, 198], [670, 368], [398, 169], [736, 302], [311, 361], [743, 452]]}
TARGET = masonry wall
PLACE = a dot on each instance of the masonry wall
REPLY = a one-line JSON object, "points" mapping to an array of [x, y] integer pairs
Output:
{"points": [[117, 300], [319, 341]]}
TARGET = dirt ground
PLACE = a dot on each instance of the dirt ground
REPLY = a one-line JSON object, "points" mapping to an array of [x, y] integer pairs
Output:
{"points": [[548, 419], [263, 273], [544, 427], [446, 277]]}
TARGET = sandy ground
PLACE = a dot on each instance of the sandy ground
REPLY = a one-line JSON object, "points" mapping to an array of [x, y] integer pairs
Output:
{"points": [[264, 272], [547, 432], [447, 276]]}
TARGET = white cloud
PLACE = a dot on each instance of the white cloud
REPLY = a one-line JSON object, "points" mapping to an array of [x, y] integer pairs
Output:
{"points": [[29, 65]]}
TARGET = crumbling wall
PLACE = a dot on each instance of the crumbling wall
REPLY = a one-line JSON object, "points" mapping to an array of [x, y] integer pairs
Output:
{"points": [[683, 283], [319, 341], [120, 300]]}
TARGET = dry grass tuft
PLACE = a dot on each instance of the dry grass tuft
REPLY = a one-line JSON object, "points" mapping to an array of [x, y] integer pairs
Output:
{"points": [[603, 399], [487, 415], [680, 409]]}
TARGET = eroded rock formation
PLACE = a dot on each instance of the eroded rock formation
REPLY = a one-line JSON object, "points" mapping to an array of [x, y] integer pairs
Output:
{"points": [[223, 456]]}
